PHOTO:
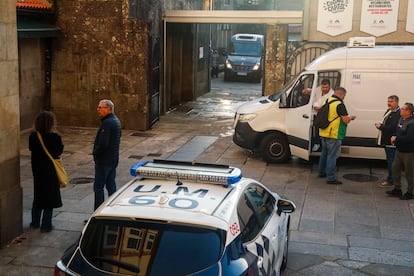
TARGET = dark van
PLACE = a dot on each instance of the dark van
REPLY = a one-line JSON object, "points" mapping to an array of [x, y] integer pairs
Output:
{"points": [[245, 57]]}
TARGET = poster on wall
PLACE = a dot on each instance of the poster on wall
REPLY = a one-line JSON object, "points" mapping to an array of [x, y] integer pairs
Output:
{"points": [[410, 17], [379, 17], [335, 16]]}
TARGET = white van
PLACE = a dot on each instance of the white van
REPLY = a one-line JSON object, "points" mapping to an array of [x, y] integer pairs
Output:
{"points": [[280, 125]]}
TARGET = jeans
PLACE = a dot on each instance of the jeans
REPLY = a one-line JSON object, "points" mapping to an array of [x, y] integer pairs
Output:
{"points": [[104, 177], [316, 139], [46, 218], [327, 161], [390, 155], [403, 161]]}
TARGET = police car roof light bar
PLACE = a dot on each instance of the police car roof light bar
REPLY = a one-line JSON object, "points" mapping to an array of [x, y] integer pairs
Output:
{"points": [[197, 172]]}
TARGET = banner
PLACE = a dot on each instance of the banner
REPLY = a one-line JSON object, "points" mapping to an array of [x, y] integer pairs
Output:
{"points": [[379, 17], [335, 16], [410, 17]]}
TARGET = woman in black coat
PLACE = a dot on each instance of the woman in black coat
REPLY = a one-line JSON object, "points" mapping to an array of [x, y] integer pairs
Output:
{"points": [[46, 186]]}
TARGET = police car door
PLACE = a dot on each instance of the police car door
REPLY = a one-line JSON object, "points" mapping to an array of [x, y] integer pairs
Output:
{"points": [[258, 227], [298, 111]]}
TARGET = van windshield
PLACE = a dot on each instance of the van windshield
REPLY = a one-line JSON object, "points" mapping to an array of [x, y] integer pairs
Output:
{"points": [[133, 247], [276, 96], [245, 49]]}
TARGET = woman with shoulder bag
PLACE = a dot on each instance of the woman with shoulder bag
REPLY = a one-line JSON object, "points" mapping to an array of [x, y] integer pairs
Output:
{"points": [[46, 186]]}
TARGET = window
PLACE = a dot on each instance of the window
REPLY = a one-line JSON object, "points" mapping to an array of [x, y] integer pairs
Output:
{"points": [[333, 76], [254, 209], [296, 97], [150, 248]]}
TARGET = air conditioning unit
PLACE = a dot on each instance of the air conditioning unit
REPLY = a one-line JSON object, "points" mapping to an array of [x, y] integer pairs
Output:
{"points": [[361, 42]]}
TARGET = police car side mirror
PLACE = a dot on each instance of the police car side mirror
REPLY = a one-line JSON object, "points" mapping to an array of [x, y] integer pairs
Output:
{"points": [[285, 206]]}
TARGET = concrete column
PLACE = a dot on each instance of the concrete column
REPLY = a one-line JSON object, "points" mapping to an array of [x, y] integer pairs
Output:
{"points": [[10, 191], [276, 39]]}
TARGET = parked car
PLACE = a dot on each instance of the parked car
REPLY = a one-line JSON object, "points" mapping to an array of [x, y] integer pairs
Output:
{"points": [[182, 218]]}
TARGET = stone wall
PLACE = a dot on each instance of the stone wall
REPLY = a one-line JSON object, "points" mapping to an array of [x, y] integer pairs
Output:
{"points": [[10, 191], [102, 54], [275, 47], [32, 80]]}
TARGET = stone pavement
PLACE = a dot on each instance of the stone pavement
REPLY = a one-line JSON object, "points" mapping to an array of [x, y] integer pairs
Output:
{"points": [[350, 229]]}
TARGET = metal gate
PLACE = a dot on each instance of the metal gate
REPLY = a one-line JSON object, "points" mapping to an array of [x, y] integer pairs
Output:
{"points": [[154, 81], [300, 54]]}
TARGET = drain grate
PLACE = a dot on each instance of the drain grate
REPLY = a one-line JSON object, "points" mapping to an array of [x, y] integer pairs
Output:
{"points": [[154, 154], [184, 108], [82, 180], [357, 177], [135, 156]]}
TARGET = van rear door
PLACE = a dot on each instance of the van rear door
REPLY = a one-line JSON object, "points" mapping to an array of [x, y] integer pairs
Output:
{"points": [[299, 115]]}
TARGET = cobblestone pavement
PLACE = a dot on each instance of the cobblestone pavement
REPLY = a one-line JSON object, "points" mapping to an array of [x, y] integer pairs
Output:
{"points": [[350, 229]]}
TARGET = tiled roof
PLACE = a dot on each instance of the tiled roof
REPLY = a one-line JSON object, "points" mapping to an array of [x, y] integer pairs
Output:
{"points": [[34, 4]]}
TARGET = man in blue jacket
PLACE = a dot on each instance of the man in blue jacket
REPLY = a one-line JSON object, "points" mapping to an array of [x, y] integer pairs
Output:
{"points": [[404, 157], [387, 128], [106, 151]]}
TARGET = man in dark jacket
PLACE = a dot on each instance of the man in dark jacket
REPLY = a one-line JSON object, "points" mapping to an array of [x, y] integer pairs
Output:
{"points": [[387, 128], [106, 151], [404, 157]]}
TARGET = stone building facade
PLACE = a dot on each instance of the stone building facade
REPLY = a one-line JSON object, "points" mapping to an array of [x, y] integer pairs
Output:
{"points": [[112, 49], [10, 191], [102, 54]]}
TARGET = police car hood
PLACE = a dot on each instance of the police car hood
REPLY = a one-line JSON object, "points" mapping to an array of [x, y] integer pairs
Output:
{"points": [[255, 105], [165, 200]]}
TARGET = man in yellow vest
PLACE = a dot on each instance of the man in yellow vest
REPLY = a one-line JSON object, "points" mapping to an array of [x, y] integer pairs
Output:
{"points": [[332, 136]]}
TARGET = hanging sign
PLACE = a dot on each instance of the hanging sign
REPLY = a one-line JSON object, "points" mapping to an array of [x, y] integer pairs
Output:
{"points": [[379, 17], [410, 17], [335, 16]]}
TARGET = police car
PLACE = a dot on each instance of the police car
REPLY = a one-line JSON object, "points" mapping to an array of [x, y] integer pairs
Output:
{"points": [[182, 218]]}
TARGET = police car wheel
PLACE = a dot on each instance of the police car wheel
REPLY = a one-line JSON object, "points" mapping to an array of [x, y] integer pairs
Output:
{"points": [[275, 148]]}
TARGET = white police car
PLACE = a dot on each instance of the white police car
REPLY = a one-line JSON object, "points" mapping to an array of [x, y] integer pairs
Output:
{"points": [[181, 218]]}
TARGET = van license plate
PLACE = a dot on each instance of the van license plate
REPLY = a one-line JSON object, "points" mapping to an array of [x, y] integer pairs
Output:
{"points": [[241, 73]]}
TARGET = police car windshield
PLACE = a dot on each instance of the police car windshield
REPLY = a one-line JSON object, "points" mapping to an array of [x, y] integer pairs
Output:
{"points": [[148, 248]]}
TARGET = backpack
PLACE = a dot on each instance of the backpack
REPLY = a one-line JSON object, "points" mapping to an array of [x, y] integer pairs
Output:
{"points": [[321, 119]]}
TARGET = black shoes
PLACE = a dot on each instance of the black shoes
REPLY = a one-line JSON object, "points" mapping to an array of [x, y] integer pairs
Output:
{"points": [[334, 182], [407, 196], [394, 192], [397, 193], [34, 226], [46, 230], [42, 230]]}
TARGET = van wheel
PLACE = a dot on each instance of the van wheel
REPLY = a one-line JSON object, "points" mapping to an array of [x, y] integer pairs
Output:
{"points": [[275, 148]]}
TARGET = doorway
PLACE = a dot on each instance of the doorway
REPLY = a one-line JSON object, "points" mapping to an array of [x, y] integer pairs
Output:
{"points": [[188, 44]]}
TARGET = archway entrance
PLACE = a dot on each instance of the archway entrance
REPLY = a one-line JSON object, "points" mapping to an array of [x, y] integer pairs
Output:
{"points": [[186, 47]]}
